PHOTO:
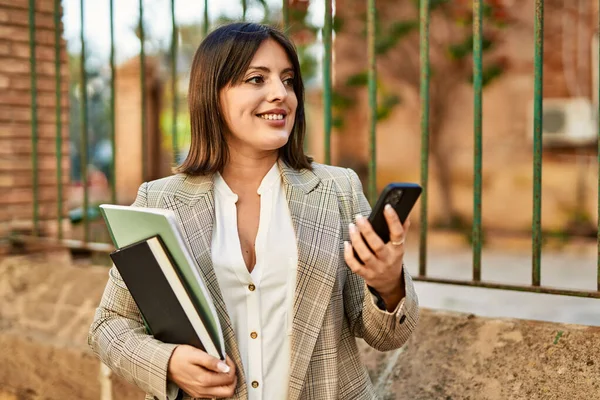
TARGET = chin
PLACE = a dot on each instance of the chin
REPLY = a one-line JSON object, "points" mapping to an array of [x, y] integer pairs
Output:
{"points": [[276, 141]]}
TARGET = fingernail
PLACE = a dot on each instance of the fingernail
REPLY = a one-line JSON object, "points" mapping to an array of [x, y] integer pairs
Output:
{"points": [[221, 366], [346, 245], [352, 228], [358, 217]]}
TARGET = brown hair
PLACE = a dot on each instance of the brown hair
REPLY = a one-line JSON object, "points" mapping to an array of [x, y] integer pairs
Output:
{"points": [[223, 58]]}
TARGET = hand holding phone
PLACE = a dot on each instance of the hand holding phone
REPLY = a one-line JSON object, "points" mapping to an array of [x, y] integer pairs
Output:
{"points": [[402, 197], [382, 268]]}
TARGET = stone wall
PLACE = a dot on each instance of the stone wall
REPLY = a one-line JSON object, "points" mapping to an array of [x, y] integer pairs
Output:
{"points": [[47, 306]]}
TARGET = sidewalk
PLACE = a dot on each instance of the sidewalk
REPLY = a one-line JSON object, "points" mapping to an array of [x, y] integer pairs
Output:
{"points": [[571, 267]]}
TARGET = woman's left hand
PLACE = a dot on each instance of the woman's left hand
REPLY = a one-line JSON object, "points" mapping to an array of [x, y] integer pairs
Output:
{"points": [[381, 268]]}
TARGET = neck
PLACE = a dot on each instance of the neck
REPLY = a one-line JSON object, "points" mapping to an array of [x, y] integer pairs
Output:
{"points": [[243, 171]]}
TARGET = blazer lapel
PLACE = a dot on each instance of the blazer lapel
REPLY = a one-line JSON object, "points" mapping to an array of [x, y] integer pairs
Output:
{"points": [[314, 209], [194, 205]]}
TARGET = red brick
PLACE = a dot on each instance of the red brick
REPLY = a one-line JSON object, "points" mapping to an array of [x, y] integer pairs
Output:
{"points": [[10, 113], [45, 130], [22, 146], [44, 83], [23, 98], [40, 5], [24, 195], [25, 179], [10, 16], [15, 164], [46, 210]]}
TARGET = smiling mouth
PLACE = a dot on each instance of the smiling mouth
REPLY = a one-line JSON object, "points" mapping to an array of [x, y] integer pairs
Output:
{"points": [[272, 117]]}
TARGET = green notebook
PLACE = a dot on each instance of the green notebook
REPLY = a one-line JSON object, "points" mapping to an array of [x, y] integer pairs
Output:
{"points": [[128, 225]]}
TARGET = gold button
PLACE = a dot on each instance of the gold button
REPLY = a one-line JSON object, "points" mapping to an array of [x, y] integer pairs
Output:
{"points": [[254, 335], [254, 384], [251, 287]]}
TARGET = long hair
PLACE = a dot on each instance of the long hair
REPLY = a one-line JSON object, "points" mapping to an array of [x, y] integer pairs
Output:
{"points": [[222, 59]]}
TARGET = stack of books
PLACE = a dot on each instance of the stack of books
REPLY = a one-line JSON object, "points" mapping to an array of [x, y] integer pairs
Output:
{"points": [[157, 267]]}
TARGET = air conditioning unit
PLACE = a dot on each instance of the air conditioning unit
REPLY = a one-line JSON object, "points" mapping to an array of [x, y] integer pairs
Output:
{"points": [[567, 122]]}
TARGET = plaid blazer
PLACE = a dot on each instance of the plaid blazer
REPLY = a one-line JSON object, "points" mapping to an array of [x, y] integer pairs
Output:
{"points": [[331, 308]]}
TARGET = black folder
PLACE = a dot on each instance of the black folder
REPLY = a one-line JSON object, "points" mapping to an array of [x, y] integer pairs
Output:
{"points": [[144, 267]]}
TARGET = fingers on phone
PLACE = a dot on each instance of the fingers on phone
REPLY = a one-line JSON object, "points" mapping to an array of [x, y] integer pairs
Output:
{"points": [[394, 224], [370, 236], [358, 243]]}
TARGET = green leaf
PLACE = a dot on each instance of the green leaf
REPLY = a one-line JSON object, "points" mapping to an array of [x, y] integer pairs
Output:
{"points": [[338, 23], [386, 106], [397, 31], [360, 79], [341, 101]]}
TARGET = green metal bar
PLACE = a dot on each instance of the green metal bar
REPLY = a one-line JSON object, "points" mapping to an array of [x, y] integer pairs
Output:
{"points": [[490, 285], [372, 88], [113, 94], [477, 130], [206, 22], [57, 71], [285, 10], [143, 90], [84, 127], [424, 47], [244, 9], [34, 127], [537, 143], [174, 81], [327, 86]]}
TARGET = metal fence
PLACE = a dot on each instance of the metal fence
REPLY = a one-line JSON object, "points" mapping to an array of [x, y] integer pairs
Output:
{"points": [[425, 8]]}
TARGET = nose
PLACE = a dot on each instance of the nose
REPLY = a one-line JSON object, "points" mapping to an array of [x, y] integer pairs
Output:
{"points": [[277, 91]]}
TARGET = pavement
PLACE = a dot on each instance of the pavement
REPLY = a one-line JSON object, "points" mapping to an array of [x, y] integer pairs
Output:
{"points": [[567, 266]]}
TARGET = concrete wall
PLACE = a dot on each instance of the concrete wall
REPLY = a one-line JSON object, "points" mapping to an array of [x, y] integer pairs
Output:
{"points": [[47, 305]]}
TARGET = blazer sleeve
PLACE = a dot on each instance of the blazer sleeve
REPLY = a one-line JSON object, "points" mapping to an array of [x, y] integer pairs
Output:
{"points": [[381, 329], [118, 336]]}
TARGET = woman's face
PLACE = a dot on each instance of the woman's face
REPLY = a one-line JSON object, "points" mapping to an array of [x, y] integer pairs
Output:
{"points": [[261, 110]]}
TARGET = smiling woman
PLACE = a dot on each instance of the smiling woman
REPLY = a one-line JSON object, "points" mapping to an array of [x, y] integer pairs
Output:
{"points": [[237, 74], [273, 235]]}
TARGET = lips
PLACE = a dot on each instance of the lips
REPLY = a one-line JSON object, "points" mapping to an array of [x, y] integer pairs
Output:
{"points": [[273, 112]]}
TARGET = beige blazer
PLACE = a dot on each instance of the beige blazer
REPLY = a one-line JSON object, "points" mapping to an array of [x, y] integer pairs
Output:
{"points": [[331, 308]]}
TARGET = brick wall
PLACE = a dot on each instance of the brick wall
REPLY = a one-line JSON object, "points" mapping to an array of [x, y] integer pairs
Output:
{"points": [[16, 176]]}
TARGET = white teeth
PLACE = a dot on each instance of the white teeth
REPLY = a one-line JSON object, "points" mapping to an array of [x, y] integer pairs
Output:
{"points": [[272, 116]]}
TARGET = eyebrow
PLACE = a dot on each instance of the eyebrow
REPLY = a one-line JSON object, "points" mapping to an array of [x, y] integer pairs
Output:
{"points": [[265, 69]]}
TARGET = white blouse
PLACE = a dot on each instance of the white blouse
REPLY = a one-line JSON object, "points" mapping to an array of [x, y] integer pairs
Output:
{"points": [[258, 303]]}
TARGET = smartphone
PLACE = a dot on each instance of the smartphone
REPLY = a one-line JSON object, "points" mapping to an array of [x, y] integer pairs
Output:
{"points": [[402, 197]]}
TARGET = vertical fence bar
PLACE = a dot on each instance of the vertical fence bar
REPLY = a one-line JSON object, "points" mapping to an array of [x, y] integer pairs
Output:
{"points": [[57, 58], [34, 127], [285, 11], [244, 9], [143, 90], [372, 87], [424, 47], [205, 27], [477, 130], [327, 87], [113, 94], [598, 89], [84, 127], [174, 82], [537, 143]]}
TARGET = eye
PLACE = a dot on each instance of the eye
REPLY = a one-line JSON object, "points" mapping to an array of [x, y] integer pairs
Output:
{"points": [[256, 80], [289, 82]]}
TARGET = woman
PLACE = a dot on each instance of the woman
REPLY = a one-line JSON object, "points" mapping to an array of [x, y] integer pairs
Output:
{"points": [[273, 234]]}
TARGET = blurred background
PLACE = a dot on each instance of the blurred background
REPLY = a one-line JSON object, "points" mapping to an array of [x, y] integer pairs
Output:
{"points": [[111, 55]]}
